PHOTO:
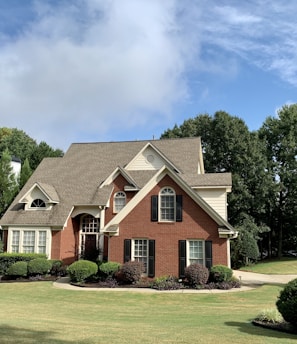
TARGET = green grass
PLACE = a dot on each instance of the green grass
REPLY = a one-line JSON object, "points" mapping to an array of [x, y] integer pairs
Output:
{"points": [[283, 266], [39, 313]]}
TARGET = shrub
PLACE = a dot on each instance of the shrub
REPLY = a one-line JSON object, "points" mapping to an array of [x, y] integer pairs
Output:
{"points": [[109, 268], [220, 273], [56, 267], [18, 269], [7, 259], [196, 274], [39, 266], [166, 283], [130, 272], [287, 302], [271, 315], [80, 270]]}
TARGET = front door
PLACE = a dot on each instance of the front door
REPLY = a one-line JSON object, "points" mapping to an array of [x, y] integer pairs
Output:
{"points": [[90, 252]]}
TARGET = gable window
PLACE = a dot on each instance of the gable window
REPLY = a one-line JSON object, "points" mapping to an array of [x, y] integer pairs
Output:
{"points": [[29, 241], [119, 201], [167, 204], [38, 203]]}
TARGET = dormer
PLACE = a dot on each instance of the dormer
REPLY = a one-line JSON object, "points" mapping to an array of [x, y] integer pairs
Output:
{"points": [[40, 197], [149, 158]]}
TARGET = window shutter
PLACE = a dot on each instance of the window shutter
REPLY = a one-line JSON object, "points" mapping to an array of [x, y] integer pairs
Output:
{"points": [[179, 208], [208, 254], [151, 261], [182, 253], [154, 210], [127, 250]]}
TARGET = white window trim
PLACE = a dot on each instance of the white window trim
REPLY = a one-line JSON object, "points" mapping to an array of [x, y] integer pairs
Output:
{"points": [[188, 250], [48, 246], [133, 252], [116, 196], [159, 204]]}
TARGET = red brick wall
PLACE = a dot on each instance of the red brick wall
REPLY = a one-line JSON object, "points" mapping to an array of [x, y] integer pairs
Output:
{"points": [[65, 242], [196, 224]]}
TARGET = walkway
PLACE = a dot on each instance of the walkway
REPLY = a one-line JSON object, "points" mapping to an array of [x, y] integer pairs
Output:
{"points": [[249, 281]]}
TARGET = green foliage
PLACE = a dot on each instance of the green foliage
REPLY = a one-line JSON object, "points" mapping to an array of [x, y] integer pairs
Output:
{"points": [[270, 315], [57, 267], [7, 259], [18, 269], [26, 172], [287, 302], [220, 273], [131, 272], [166, 283], [196, 275], [80, 270], [39, 266], [8, 182], [109, 268]]}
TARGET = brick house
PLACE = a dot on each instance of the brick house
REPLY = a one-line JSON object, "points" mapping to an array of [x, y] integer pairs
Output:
{"points": [[141, 200]]}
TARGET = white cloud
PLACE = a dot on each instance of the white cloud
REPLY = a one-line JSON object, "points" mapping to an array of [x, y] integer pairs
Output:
{"points": [[90, 69]]}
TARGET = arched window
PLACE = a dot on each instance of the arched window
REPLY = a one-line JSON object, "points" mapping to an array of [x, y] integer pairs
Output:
{"points": [[119, 201], [167, 204], [38, 203]]}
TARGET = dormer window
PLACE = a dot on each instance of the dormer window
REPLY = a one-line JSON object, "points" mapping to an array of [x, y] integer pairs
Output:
{"points": [[37, 203], [119, 201]]}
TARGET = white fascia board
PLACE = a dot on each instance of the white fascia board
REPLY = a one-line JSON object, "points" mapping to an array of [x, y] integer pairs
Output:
{"points": [[119, 170]]}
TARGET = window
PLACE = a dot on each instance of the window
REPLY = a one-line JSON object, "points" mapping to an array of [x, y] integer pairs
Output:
{"points": [[140, 252], [29, 241], [195, 252], [90, 224], [119, 201], [38, 203], [167, 204]]}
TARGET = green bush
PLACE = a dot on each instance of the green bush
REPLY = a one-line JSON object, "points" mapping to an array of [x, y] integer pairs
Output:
{"points": [[81, 270], [287, 302], [131, 272], [166, 283], [271, 315], [18, 269], [7, 259], [109, 268], [220, 273], [39, 266], [196, 275], [56, 267]]}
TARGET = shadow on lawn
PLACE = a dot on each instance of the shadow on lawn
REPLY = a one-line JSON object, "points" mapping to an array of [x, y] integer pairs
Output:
{"points": [[10, 334], [251, 329]]}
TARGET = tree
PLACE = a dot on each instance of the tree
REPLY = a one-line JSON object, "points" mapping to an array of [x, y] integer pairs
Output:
{"points": [[279, 136], [26, 172], [229, 146], [8, 182], [41, 151]]}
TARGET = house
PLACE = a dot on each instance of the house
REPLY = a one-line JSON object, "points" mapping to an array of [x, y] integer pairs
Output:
{"points": [[141, 200]]}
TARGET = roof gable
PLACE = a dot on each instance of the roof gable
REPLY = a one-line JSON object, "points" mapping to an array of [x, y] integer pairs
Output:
{"points": [[43, 191], [149, 158]]}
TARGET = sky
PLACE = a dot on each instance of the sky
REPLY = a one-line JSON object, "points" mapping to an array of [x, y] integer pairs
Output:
{"points": [[117, 70]]}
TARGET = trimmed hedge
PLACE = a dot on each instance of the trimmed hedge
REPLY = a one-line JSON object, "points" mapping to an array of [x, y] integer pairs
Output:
{"points": [[109, 268], [220, 273], [81, 270], [7, 259], [39, 266], [287, 302], [18, 269], [131, 272], [196, 275]]}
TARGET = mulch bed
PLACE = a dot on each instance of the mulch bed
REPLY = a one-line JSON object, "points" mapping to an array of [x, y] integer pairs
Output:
{"points": [[281, 327]]}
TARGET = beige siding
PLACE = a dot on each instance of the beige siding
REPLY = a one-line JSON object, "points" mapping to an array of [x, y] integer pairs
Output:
{"points": [[149, 159], [216, 198]]}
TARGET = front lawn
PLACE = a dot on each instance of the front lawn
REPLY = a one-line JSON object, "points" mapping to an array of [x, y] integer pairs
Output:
{"points": [[39, 313], [283, 266]]}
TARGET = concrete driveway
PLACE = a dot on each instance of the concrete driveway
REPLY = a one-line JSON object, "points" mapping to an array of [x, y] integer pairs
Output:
{"points": [[251, 278]]}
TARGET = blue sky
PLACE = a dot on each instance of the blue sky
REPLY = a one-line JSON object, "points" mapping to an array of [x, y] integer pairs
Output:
{"points": [[109, 70]]}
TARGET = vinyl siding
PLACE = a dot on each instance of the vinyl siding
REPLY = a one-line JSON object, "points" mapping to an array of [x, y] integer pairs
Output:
{"points": [[216, 198]]}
